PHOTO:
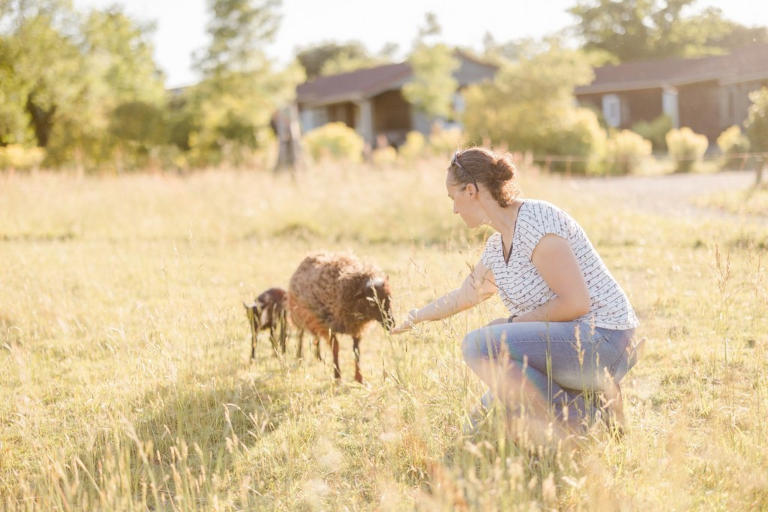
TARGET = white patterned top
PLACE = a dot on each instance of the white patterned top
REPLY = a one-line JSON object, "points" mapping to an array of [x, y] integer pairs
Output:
{"points": [[522, 288]]}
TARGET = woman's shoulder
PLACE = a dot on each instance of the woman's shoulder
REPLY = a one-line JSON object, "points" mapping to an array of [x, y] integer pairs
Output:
{"points": [[542, 217], [490, 253], [539, 210], [539, 205], [493, 238]]}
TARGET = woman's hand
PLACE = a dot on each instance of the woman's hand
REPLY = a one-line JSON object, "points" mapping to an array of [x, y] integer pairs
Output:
{"points": [[408, 324]]}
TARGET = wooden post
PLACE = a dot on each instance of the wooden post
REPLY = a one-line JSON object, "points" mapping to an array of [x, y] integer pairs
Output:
{"points": [[289, 155], [761, 164]]}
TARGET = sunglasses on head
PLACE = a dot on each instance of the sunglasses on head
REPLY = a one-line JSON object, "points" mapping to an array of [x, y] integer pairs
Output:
{"points": [[455, 161]]}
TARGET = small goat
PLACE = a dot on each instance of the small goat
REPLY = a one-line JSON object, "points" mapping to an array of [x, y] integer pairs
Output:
{"points": [[331, 294], [268, 311]]}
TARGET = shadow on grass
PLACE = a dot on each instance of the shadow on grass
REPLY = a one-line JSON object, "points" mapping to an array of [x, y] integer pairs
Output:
{"points": [[178, 452]]}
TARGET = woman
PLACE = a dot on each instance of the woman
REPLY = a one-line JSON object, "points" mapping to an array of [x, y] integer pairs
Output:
{"points": [[570, 326]]}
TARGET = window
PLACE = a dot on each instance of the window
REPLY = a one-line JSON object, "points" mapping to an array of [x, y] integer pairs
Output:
{"points": [[612, 110]]}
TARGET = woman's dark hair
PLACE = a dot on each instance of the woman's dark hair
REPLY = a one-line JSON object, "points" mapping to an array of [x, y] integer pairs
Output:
{"points": [[481, 165]]}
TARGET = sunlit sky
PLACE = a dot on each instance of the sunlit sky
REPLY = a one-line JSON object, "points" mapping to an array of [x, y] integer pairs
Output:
{"points": [[180, 24]]}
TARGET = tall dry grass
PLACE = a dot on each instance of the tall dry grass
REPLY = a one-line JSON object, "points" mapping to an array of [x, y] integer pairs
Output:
{"points": [[126, 382]]}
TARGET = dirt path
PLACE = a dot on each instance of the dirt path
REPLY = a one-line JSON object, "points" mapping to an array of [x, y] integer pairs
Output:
{"points": [[673, 194]]}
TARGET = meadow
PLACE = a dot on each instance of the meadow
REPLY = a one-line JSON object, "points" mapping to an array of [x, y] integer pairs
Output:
{"points": [[124, 346]]}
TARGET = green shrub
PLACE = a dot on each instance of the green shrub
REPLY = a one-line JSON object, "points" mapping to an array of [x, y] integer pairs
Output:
{"points": [[625, 151], [529, 107], [413, 147], [757, 120], [577, 133], [686, 148], [336, 141], [385, 156], [732, 142], [444, 141], [18, 157], [655, 131]]}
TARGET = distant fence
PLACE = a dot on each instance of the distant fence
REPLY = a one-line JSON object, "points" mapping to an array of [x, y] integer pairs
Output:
{"points": [[736, 161]]}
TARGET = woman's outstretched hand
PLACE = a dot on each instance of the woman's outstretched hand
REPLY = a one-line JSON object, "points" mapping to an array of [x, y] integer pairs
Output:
{"points": [[408, 324]]}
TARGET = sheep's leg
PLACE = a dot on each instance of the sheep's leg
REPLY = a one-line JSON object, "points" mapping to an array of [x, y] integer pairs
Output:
{"points": [[272, 337], [335, 349], [317, 349], [254, 329], [300, 343], [356, 349], [283, 331]]}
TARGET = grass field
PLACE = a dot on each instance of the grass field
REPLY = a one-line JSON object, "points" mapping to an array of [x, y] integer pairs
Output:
{"points": [[126, 383], [753, 201]]}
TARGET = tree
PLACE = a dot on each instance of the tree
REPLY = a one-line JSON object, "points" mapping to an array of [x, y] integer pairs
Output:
{"points": [[757, 128], [70, 72], [314, 58], [433, 86], [116, 67], [14, 118], [646, 29], [16, 71], [511, 50], [121, 55], [529, 106], [238, 29], [241, 90], [117, 74], [329, 58], [757, 120], [38, 58], [344, 63], [45, 64]]}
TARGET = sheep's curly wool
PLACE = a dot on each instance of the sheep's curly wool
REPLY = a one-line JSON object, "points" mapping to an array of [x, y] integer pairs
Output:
{"points": [[331, 293]]}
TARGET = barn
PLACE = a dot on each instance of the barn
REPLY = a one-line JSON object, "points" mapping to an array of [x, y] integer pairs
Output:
{"points": [[371, 100], [707, 94]]}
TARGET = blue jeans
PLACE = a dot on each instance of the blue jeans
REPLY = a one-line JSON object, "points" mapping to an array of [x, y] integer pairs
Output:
{"points": [[565, 363]]}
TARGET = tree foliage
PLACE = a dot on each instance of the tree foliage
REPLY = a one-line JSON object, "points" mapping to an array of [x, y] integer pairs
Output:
{"points": [[84, 89], [316, 59], [433, 86], [757, 120], [529, 106], [232, 106], [647, 29], [239, 30], [15, 126], [64, 74]]}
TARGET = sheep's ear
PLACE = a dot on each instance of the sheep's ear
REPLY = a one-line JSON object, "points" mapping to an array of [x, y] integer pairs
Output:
{"points": [[374, 283], [368, 286]]}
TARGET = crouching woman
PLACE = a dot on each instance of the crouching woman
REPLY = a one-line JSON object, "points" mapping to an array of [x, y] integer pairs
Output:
{"points": [[570, 327]]}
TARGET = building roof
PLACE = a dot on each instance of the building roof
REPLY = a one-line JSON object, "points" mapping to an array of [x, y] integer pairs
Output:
{"points": [[354, 84], [363, 83], [743, 64]]}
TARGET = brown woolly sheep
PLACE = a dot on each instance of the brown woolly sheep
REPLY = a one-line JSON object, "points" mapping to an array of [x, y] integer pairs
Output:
{"points": [[268, 311], [331, 294]]}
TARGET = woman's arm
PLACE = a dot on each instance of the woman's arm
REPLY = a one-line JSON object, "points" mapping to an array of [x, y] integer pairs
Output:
{"points": [[478, 286], [557, 265]]}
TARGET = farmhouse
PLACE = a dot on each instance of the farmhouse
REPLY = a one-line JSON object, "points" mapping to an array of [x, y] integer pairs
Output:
{"points": [[371, 100], [707, 94]]}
